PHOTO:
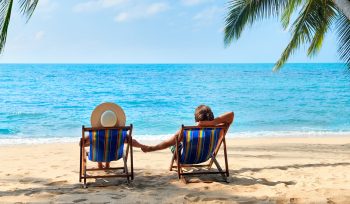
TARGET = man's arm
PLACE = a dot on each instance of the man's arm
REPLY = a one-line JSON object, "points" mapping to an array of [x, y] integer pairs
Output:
{"points": [[224, 118]]}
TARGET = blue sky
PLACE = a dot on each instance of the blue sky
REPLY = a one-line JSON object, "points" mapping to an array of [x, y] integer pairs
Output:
{"points": [[144, 31]]}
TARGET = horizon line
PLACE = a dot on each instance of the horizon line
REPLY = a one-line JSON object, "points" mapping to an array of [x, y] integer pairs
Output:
{"points": [[179, 63]]}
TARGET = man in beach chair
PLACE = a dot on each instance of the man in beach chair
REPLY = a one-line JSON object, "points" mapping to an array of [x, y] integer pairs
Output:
{"points": [[198, 144], [106, 139]]}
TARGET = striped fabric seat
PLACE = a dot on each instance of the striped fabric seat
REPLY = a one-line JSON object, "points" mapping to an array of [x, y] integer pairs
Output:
{"points": [[106, 145], [199, 144]]}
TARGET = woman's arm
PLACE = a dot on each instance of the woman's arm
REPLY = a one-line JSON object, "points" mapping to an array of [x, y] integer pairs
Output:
{"points": [[163, 145], [224, 118]]}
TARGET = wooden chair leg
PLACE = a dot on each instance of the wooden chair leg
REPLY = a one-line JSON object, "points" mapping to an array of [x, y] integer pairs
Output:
{"points": [[223, 174], [85, 185], [183, 179], [128, 179], [177, 157], [131, 162], [172, 162], [84, 166], [126, 169], [179, 169], [226, 161], [80, 161]]}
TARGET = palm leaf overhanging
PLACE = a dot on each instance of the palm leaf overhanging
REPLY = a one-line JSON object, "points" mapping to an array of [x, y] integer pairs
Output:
{"points": [[343, 30], [5, 12], [314, 19], [26, 7], [245, 12]]}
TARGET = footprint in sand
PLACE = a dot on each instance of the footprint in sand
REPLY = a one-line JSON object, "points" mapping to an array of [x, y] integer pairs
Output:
{"points": [[31, 191], [215, 199], [192, 197], [28, 180], [294, 200], [147, 173], [117, 197], [329, 201], [56, 183], [58, 193], [79, 200], [45, 196]]}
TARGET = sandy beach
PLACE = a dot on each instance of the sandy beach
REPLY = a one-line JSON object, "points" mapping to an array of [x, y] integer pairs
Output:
{"points": [[269, 170]]}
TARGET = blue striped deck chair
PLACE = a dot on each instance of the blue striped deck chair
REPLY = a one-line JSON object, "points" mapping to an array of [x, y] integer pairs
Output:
{"points": [[106, 145], [197, 147]]}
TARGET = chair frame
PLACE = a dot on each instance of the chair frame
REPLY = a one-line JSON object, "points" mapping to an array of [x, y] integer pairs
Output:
{"points": [[83, 157], [179, 167]]}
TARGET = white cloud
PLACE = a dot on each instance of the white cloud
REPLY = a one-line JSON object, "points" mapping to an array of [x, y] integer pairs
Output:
{"points": [[39, 35], [126, 9], [111, 3], [46, 6], [157, 8], [93, 5], [207, 15], [141, 11], [123, 16]]}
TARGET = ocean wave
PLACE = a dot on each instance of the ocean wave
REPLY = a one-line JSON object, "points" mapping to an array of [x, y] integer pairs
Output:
{"points": [[289, 134], [28, 141], [21, 115], [151, 139]]}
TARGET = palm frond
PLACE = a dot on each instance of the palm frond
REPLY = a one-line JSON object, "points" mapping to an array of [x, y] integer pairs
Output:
{"points": [[245, 12], [343, 31], [288, 11], [325, 16], [310, 27], [5, 15], [27, 7]]}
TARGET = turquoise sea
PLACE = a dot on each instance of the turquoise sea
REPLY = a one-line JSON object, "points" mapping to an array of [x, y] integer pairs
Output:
{"points": [[46, 102]]}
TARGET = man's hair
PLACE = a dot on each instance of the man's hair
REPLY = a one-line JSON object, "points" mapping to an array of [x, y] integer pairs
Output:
{"points": [[203, 113]]}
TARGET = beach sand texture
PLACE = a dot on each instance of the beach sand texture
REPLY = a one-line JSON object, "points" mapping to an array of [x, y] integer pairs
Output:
{"points": [[269, 170]]}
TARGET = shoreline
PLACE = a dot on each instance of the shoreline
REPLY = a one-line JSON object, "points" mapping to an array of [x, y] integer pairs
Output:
{"points": [[233, 141], [149, 139]]}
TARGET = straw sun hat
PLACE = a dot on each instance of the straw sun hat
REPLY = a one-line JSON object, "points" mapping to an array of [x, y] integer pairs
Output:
{"points": [[108, 115]]}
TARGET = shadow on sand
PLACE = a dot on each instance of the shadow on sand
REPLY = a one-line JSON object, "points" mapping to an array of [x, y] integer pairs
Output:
{"points": [[296, 166], [158, 188]]}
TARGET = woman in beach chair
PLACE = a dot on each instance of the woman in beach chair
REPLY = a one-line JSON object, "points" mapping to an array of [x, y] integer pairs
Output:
{"points": [[106, 140], [198, 144]]}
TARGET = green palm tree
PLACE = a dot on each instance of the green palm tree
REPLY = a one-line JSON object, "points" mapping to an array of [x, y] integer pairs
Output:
{"points": [[26, 7], [314, 19]]}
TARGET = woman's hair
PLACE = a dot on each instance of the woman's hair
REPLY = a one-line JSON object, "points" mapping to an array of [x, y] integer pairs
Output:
{"points": [[203, 113]]}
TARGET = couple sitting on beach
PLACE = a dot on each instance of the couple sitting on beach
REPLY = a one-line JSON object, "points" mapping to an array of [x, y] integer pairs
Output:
{"points": [[111, 115]]}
